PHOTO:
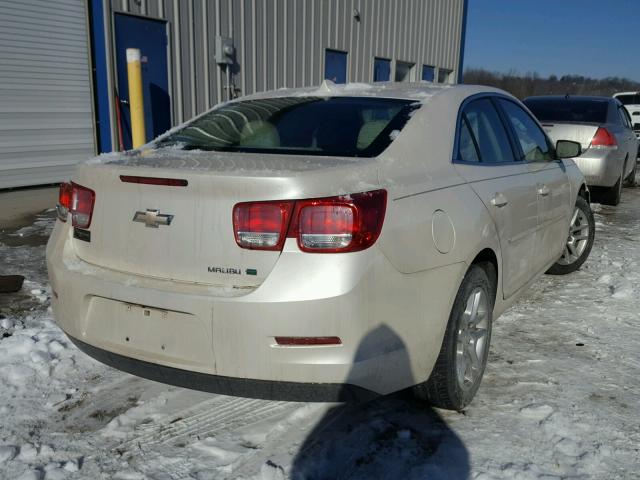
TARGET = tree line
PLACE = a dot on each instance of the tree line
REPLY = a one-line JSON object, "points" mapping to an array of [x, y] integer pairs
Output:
{"points": [[531, 83]]}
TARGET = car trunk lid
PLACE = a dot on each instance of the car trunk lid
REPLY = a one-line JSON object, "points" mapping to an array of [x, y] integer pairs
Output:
{"points": [[576, 132], [184, 231]]}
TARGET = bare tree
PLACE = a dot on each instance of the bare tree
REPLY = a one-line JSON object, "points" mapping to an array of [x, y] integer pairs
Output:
{"points": [[530, 83]]}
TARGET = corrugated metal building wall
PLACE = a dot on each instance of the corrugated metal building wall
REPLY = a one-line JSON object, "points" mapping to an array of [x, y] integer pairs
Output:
{"points": [[281, 43], [59, 74], [46, 119]]}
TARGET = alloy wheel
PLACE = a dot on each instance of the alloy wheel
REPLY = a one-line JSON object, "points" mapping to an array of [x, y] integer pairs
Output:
{"points": [[472, 339], [577, 240]]}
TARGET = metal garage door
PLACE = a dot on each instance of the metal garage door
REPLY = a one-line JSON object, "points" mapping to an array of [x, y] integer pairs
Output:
{"points": [[46, 122]]}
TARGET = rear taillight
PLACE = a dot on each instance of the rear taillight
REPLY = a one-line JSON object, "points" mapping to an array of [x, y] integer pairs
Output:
{"points": [[325, 226], [603, 138], [261, 225], [341, 224], [348, 223], [82, 200], [64, 201]]}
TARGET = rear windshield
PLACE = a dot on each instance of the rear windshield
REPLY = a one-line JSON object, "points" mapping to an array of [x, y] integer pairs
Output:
{"points": [[630, 99], [568, 110], [334, 126]]}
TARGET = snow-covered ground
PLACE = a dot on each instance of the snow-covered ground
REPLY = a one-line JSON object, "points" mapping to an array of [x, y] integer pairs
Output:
{"points": [[560, 398]]}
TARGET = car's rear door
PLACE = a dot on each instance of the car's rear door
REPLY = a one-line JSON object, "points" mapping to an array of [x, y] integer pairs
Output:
{"points": [[552, 182], [484, 157], [629, 138]]}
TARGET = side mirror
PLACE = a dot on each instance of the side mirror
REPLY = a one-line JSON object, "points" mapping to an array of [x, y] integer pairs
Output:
{"points": [[568, 149]]}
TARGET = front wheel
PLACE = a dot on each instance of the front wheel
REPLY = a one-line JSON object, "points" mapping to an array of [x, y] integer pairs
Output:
{"points": [[456, 376], [582, 232]]}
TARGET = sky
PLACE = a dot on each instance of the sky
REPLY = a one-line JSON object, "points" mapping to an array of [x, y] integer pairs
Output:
{"points": [[584, 37]]}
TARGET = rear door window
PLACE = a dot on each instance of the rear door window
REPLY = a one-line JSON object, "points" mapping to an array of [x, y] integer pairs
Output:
{"points": [[533, 142], [624, 117], [483, 123], [467, 149]]}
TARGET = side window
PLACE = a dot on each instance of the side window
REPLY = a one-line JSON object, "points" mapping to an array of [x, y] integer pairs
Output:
{"points": [[531, 138], [381, 69], [624, 116], [428, 73], [335, 65], [627, 115], [467, 151], [483, 124]]}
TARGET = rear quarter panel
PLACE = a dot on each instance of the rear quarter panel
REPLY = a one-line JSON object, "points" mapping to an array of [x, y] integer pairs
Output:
{"points": [[576, 179], [433, 217]]}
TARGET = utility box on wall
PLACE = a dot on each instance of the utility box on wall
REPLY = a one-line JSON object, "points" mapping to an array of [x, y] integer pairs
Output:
{"points": [[224, 50]]}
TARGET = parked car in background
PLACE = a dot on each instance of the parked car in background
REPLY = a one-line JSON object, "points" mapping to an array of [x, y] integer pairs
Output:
{"points": [[603, 127], [631, 101], [319, 244]]}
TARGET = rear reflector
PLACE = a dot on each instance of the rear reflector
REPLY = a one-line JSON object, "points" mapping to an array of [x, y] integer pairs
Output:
{"points": [[82, 201], [261, 225], [302, 341], [603, 138], [170, 182]]}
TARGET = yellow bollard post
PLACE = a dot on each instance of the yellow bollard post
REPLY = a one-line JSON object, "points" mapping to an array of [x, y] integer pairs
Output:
{"points": [[136, 101]]}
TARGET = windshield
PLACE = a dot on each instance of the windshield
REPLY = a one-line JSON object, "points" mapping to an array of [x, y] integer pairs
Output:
{"points": [[568, 110], [334, 126], [629, 99]]}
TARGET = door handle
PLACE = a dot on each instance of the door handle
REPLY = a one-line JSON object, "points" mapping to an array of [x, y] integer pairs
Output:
{"points": [[543, 190], [499, 200]]}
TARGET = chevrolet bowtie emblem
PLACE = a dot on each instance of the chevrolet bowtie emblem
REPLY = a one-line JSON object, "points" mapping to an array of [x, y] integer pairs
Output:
{"points": [[152, 218]]}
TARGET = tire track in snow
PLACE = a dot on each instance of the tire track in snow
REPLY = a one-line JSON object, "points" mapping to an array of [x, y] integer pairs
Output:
{"points": [[207, 419], [153, 447]]}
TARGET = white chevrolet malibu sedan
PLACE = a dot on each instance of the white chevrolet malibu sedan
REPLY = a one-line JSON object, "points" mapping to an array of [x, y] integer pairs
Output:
{"points": [[318, 244]]}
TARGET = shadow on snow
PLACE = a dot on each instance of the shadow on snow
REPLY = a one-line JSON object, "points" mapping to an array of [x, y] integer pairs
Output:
{"points": [[394, 436]]}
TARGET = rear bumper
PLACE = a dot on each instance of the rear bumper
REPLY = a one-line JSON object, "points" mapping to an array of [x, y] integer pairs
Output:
{"points": [[601, 168], [240, 387], [391, 324]]}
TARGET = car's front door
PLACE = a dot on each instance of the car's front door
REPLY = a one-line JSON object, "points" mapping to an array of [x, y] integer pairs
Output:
{"points": [[485, 158], [552, 183]]}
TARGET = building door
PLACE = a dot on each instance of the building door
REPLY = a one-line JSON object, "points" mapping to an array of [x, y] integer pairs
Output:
{"points": [[150, 36]]}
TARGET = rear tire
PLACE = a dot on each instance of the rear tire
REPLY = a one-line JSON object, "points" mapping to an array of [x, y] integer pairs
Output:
{"points": [[630, 181], [612, 196], [580, 241], [458, 371]]}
